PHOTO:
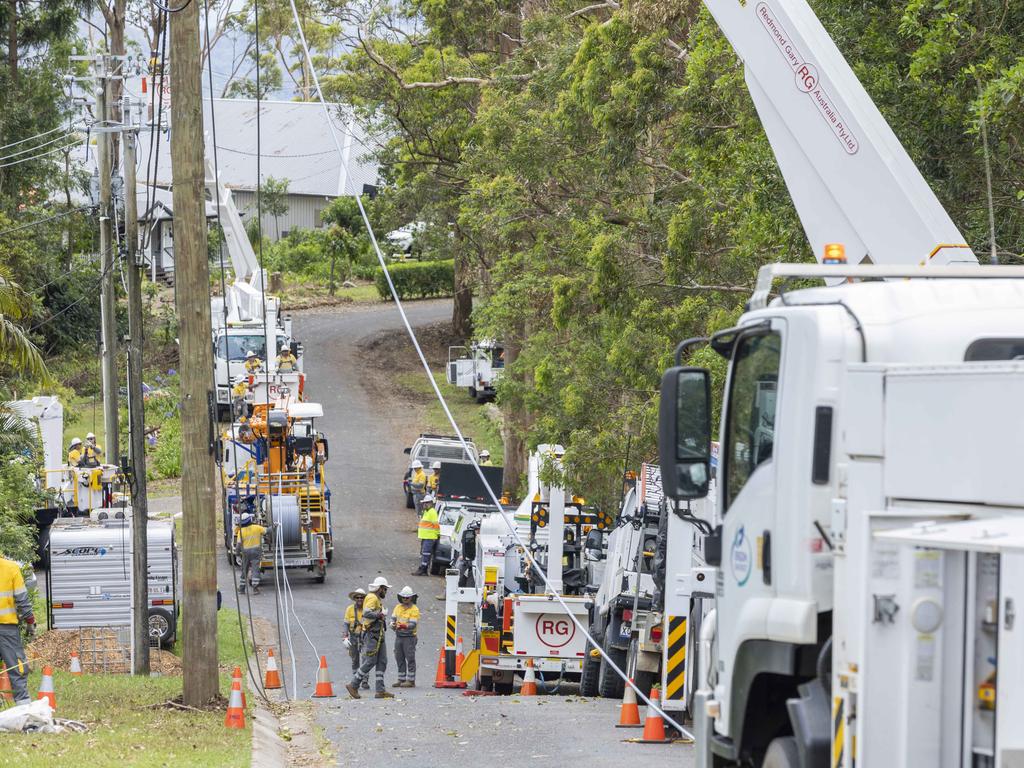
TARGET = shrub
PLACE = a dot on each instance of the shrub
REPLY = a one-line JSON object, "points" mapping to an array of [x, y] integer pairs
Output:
{"points": [[167, 456], [418, 279]]}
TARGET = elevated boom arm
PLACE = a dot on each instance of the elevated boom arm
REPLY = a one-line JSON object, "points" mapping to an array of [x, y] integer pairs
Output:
{"points": [[850, 178]]}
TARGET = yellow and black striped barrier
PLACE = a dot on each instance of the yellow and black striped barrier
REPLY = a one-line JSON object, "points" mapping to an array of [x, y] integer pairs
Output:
{"points": [[675, 659]]}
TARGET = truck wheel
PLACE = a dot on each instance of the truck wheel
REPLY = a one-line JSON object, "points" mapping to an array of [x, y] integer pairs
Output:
{"points": [[782, 753], [436, 567], [320, 574], [472, 392], [589, 676], [503, 689], [161, 625], [409, 503], [609, 684]]}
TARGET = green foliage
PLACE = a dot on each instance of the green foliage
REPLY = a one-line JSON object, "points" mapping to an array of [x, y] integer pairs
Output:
{"points": [[166, 459], [273, 199], [417, 279], [19, 452]]}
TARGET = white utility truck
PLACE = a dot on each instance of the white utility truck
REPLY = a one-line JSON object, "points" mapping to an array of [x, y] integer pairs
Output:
{"points": [[477, 368], [516, 616], [247, 319], [867, 562]]}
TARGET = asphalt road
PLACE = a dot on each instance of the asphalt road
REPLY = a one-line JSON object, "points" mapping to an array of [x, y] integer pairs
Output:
{"points": [[375, 536]]}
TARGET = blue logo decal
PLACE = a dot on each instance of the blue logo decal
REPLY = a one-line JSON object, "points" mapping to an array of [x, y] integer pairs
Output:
{"points": [[740, 558]]}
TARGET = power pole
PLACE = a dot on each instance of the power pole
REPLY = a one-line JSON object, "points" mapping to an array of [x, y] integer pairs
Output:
{"points": [[136, 411], [192, 282], [108, 304]]}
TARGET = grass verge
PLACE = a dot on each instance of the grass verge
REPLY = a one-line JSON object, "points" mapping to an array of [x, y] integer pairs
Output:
{"points": [[128, 727], [471, 417]]}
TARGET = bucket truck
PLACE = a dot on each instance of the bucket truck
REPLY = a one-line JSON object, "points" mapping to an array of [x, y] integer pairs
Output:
{"points": [[247, 319], [865, 558], [477, 368]]}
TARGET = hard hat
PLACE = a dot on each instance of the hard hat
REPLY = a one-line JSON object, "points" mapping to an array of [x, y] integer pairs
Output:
{"points": [[245, 519], [249, 354], [485, 454], [379, 582], [427, 498], [76, 441], [90, 436], [417, 464], [435, 465], [285, 347], [406, 591], [356, 593]]}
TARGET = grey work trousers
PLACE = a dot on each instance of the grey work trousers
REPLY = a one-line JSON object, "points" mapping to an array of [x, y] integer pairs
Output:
{"points": [[251, 559], [13, 655], [353, 651], [405, 657], [417, 502], [374, 656]]}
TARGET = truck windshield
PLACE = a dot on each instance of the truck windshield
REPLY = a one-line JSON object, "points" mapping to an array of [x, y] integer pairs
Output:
{"points": [[235, 348], [750, 426]]}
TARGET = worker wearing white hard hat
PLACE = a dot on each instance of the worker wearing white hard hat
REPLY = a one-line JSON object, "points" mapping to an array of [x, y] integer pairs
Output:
{"points": [[253, 364], [435, 475], [373, 651], [91, 452], [485, 458], [286, 361], [404, 619], [428, 532], [417, 485], [352, 629], [75, 452]]}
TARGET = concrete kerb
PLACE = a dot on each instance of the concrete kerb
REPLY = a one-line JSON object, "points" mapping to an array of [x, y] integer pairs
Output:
{"points": [[269, 750]]}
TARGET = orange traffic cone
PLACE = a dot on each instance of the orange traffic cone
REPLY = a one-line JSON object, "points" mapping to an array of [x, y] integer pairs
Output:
{"points": [[46, 688], [529, 681], [76, 665], [324, 689], [629, 714], [654, 726], [237, 675], [235, 717], [440, 679], [273, 677], [459, 657], [6, 692]]}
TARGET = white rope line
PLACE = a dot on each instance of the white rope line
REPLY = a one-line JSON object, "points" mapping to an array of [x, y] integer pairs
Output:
{"points": [[451, 419]]}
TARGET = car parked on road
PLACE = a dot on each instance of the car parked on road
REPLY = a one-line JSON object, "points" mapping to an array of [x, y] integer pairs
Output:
{"points": [[430, 448]]}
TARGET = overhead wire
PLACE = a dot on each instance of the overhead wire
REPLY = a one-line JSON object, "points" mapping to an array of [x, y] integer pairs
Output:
{"points": [[654, 706], [38, 222], [41, 155], [31, 138], [37, 147]]}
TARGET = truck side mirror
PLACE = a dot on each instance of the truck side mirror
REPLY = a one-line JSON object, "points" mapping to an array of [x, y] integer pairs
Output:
{"points": [[408, 450], [684, 433], [594, 544]]}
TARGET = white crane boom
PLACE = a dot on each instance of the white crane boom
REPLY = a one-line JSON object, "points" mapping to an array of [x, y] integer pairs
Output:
{"points": [[849, 176]]}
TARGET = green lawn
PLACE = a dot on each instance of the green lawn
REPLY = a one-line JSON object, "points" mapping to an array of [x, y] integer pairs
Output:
{"points": [[470, 416], [125, 731]]}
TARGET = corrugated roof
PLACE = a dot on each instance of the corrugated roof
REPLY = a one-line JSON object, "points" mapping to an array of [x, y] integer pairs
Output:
{"points": [[295, 142]]}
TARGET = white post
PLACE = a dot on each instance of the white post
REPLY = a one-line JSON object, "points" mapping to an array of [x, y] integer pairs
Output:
{"points": [[556, 533]]}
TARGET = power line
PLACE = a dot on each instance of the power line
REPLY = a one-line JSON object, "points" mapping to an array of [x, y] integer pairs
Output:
{"points": [[30, 224], [42, 155], [37, 147], [30, 138], [88, 295]]}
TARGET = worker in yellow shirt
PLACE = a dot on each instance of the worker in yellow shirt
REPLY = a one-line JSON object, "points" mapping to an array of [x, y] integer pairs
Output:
{"points": [[374, 653], [485, 458], [253, 364], [352, 630], [428, 531], [249, 545], [417, 484], [15, 606], [434, 477], [404, 619], [91, 453], [238, 395], [286, 361], [75, 452]]}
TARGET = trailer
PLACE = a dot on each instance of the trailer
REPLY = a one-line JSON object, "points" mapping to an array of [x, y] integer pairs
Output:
{"points": [[477, 367], [90, 580]]}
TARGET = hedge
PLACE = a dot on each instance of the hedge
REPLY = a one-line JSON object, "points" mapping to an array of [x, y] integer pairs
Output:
{"points": [[418, 279]]}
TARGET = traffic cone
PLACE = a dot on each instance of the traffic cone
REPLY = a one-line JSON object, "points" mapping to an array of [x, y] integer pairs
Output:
{"points": [[440, 679], [237, 675], [654, 726], [273, 677], [76, 665], [529, 681], [459, 657], [6, 693], [235, 717], [324, 689], [46, 688], [629, 714]]}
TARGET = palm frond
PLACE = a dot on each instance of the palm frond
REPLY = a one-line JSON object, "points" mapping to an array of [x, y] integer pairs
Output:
{"points": [[18, 435], [18, 351]]}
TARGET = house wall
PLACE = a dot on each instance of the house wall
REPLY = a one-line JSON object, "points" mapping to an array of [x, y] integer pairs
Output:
{"points": [[303, 212]]}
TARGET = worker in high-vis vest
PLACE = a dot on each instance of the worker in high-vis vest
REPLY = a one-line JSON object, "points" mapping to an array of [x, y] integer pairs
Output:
{"points": [[286, 361], [352, 629], [485, 458], [428, 531], [249, 546], [404, 619], [91, 453], [253, 364], [374, 652], [434, 477], [75, 452], [15, 606], [417, 484]]}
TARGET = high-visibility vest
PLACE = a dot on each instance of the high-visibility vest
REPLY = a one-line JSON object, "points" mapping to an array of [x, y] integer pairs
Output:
{"points": [[74, 457], [12, 586], [429, 528], [286, 362], [407, 614], [253, 364], [251, 536], [354, 618]]}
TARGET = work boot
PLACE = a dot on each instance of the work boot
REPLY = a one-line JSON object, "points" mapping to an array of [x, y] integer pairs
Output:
{"points": [[366, 685], [383, 695], [255, 590], [352, 691], [418, 573], [410, 683]]}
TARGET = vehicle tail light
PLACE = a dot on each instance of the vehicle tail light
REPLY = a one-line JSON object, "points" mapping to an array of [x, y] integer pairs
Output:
{"points": [[656, 634], [63, 605], [627, 615], [162, 602]]}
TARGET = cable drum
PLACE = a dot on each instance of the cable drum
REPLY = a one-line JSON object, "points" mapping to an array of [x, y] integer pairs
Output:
{"points": [[285, 510]]}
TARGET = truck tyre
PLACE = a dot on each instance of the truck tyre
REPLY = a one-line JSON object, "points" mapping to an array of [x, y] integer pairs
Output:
{"points": [[503, 689], [591, 670], [161, 625], [782, 753], [436, 567], [409, 502], [609, 684], [472, 392]]}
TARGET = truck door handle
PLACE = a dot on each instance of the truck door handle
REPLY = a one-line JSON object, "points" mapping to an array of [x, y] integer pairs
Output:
{"points": [[766, 557]]}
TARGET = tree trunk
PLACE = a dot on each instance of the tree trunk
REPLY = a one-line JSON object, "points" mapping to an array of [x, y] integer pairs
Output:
{"points": [[12, 40], [462, 307], [192, 286], [516, 423]]}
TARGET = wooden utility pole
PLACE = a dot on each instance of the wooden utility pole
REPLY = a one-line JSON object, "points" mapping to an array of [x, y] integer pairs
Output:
{"points": [[108, 303], [192, 283], [136, 411]]}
